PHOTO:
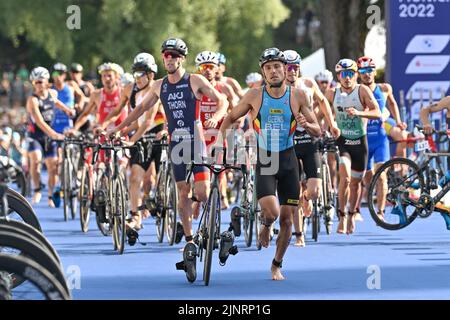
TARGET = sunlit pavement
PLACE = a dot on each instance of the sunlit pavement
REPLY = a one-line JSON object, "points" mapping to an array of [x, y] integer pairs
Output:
{"points": [[374, 263]]}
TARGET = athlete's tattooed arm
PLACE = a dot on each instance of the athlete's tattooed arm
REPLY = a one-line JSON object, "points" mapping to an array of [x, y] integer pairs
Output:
{"points": [[436, 107]]}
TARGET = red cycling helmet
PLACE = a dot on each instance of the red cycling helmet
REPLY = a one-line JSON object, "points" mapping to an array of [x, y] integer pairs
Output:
{"points": [[366, 62]]}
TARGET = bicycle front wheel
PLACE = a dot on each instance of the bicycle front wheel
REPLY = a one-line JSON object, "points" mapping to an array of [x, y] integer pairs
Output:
{"points": [[404, 185], [213, 212]]}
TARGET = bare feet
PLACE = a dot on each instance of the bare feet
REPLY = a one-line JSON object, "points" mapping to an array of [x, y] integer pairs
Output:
{"points": [[358, 217], [196, 209], [276, 273], [145, 214], [225, 203], [36, 198], [306, 206], [342, 222], [136, 222], [264, 236], [299, 241], [51, 204], [351, 221]]}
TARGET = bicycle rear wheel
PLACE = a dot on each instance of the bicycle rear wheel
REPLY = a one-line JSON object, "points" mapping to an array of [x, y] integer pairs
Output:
{"points": [[73, 196], [212, 213], [119, 215], [315, 221], [85, 199], [327, 198], [161, 201], [405, 191], [65, 184], [170, 215], [42, 284]]}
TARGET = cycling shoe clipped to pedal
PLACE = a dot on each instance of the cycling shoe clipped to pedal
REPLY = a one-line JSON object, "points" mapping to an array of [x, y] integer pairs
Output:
{"points": [[132, 236], [226, 247], [188, 264], [235, 223]]}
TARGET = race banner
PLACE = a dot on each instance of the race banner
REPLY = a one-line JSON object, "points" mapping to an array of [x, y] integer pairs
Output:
{"points": [[418, 52]]}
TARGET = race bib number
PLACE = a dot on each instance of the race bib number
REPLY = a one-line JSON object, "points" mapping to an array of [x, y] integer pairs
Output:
{"points": [[422, 145]]}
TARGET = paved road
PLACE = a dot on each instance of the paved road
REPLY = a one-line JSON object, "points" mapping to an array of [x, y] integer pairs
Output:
{"points": [[413, 263]]}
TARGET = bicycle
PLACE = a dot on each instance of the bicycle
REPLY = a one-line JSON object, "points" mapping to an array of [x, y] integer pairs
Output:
{"points": [[326, 201], [208, 231], [69, 178], [248, 208], [164, 209], [112, 184], [86, 188], [410, 185]]}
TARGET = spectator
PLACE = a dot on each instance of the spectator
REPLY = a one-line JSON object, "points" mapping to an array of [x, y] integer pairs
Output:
{"points": [[17, 97], [5, 89], [23, 73], [17, 150]]}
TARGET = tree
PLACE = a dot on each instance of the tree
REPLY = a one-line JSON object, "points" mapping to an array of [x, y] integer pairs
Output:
{"points": [[343, 28], [116, 30]]}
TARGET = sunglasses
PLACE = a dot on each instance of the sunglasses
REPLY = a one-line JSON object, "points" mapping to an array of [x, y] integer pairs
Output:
{"points": [[171, 55], [347, 73], [38, 82], [57, 73], [293, 67], [138, 74], [205, 67], [365, 71], [323, 82]]}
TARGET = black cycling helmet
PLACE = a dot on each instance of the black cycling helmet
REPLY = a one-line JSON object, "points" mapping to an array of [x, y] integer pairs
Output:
{"points": [[271, 54], [76, 67], [175, 44]]}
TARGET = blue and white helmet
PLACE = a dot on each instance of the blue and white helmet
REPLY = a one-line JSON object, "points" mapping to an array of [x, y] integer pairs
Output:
{"points": [[292, 57]]}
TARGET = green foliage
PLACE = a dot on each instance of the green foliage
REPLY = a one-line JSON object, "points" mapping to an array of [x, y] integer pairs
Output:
{"points": [[117, 30]]}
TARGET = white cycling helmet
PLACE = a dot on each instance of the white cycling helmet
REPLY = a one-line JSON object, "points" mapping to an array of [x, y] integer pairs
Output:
{"points": [[145, 62], [253, 77], [39, 73], [292, 57], [324, 75], [109, 66], [126, 79], [206, 57]]}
